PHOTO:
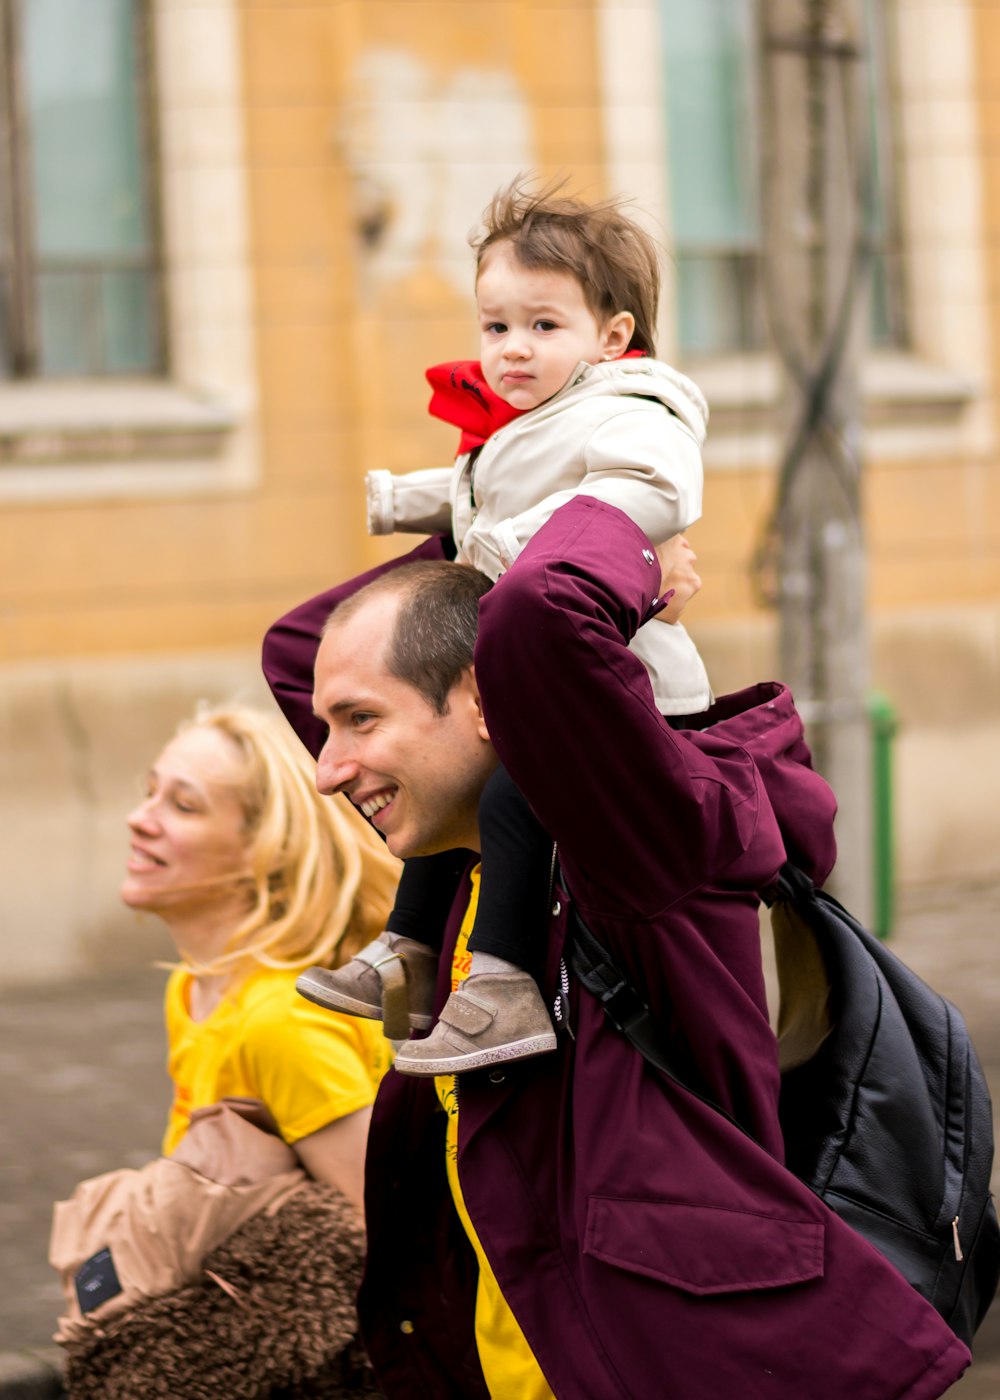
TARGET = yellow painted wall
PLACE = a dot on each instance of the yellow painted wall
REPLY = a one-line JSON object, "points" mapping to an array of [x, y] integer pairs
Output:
{"points": [[340, 356], [341, 352]]}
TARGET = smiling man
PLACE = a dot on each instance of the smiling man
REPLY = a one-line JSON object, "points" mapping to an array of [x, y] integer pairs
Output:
{"points": [[407, 742], [575, 1225]]}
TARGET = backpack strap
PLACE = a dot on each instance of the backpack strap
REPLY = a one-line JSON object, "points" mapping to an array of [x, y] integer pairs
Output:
{"points": [[627, 1012], [790, 884]]}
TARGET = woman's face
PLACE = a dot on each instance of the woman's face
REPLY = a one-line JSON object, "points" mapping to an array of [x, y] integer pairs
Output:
{"points": [[188, 845]]}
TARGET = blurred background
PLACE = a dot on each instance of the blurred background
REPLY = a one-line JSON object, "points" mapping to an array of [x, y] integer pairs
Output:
{"points": [[232, 236]]}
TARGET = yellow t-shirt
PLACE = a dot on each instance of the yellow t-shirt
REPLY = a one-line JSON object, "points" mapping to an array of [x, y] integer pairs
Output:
{"points": [[264, 1041], [510, 1369]]}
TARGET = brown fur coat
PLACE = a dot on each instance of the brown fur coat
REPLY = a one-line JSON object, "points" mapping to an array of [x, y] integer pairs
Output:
{"points": [[287, 1331]]}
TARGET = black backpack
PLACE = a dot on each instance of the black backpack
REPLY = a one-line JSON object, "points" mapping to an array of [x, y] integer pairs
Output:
{"points": [[885, 1110]]}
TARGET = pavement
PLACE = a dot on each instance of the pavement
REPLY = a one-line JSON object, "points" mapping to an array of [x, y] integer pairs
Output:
{"points": [[83, 1090]]}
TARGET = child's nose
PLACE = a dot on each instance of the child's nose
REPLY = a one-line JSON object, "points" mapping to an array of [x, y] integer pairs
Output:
{"points": [[516, 346]]}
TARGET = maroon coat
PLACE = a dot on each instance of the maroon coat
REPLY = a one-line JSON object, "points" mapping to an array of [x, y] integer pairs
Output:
{"points": [[645, 1245]]}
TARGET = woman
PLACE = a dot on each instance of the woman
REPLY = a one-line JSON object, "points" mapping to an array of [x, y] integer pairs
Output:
{"points": [[256, 877]]}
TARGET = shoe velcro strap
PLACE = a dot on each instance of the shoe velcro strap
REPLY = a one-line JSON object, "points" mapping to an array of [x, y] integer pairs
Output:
{"points": [[463, 1011], [377, 953], [395, 994]]}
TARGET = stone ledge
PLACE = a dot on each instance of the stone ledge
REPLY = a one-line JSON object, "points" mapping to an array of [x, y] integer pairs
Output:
{"points": [[123, 440], [911, 408], [82, 421]]}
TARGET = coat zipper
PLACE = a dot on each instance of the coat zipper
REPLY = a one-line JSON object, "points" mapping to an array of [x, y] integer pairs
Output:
{"points": [[560, 1007]]}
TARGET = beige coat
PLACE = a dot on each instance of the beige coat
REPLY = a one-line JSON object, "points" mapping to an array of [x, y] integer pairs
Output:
{"points": [[160, 1221], [628, 432]]}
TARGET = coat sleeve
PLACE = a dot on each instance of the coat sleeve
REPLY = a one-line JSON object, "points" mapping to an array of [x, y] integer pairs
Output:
{"points": [[642, 460], [416, 503], [289, 650], [644, 814]]}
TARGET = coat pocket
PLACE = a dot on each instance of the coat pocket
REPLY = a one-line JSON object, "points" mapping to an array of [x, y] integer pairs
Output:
{"points": [[704, 1249]]}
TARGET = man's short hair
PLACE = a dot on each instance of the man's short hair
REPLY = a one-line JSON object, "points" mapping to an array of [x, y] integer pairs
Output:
{"points": [[613, 258], [433, 638]]}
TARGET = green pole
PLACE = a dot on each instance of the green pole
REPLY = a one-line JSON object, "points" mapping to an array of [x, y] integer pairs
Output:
{"points": [[883, 729]]}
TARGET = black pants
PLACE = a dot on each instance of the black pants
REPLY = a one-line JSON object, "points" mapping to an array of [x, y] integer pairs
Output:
{"points": [[512, 913]]}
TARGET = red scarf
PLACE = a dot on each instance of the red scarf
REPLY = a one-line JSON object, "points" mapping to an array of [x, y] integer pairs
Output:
{"points": [[462, 397]]}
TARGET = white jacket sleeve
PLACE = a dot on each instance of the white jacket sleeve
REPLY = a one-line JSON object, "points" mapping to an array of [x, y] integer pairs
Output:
{"points": [[417, 503], [647, 463], [674, 666]]}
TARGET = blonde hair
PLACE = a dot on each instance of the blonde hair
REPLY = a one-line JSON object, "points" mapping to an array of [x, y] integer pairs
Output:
{"points": [[321, 881]]}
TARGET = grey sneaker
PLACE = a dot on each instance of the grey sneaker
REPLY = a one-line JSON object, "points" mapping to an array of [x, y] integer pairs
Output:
{"points": [[391, 980], [492, 1017]]}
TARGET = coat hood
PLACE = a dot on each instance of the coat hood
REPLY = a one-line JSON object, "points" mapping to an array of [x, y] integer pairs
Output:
{"points": [[763, 720], [640, 377]]}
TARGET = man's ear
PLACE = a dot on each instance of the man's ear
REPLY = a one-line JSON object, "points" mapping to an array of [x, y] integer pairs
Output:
{"points": [[618, 331], [472, 694]]}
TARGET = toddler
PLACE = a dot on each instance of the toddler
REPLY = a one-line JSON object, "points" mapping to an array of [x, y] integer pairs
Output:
{"points": [[566, 398]]}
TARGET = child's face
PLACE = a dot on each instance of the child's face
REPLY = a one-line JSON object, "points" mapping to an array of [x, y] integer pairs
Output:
{"points": [[535, 327]]}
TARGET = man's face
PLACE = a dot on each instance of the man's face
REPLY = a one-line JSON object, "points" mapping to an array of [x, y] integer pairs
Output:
{"points": [[415, 774]]}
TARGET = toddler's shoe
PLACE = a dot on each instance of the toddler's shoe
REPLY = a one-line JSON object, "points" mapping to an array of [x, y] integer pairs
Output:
{"points": [[492, 1017], [392, 980]]}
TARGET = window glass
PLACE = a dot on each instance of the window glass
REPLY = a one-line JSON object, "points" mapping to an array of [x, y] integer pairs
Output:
{"points": [[713, 170], [887, 324], [711, 114], [5, 346], [127, 318], [83, 266], [84, 120], [6, 209], [711, 303], [66, 323]]}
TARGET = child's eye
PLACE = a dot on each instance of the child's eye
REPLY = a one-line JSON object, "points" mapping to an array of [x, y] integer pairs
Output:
{"points": [[545, 325], [495, 328]]}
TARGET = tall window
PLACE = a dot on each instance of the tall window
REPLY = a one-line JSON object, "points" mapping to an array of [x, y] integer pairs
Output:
{"points": [[708, 54], [79, 260]]}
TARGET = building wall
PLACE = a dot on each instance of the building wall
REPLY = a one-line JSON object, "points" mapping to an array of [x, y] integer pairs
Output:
{"points": [[322, 163]]}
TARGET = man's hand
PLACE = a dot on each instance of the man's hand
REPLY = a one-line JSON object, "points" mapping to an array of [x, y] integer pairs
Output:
{"points": [[677, 571]]}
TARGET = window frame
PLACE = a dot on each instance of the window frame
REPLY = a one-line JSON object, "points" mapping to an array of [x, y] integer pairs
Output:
{"points": [[926, 402], [736, 256], [192, 430], [25, 263], [14, 213]]}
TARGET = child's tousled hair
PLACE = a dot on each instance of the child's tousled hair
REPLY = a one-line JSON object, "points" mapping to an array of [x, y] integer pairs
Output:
{"points": [[614, 260]]}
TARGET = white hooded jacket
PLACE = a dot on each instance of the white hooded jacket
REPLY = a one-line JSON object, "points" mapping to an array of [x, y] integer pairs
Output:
{"points": [[628, 432]]}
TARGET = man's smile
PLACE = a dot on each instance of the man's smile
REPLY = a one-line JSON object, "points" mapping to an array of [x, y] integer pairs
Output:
{"points": [[370, 805]]}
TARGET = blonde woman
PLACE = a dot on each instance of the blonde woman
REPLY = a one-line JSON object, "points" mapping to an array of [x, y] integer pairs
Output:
{"points": [[223, 1268], [257, 877]]}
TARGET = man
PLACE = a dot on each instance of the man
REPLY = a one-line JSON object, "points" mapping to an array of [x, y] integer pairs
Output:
{"points": [[626, 1239]]}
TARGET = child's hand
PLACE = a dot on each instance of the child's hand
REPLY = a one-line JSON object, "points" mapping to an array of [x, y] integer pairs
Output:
{"points": [[677, 571]]}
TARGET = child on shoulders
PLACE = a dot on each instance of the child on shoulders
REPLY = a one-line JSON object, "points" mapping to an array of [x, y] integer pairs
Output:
{"points": [[566, 399]]}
